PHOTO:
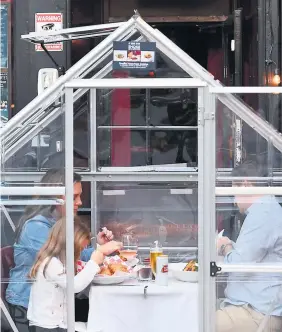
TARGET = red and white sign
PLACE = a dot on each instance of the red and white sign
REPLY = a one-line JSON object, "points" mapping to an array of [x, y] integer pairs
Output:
{"points": [[49, 22]]}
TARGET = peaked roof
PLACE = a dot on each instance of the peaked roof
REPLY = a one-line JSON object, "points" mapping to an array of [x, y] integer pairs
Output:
{"points": [[46, 107]]}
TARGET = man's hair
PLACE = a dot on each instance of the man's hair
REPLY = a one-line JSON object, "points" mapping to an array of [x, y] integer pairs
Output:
{"points": [[250, 169]]}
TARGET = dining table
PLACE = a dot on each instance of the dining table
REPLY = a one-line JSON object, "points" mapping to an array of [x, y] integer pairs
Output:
{"points": [[143, 307]]}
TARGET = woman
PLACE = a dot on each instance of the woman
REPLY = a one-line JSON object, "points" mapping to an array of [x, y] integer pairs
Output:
{"points": [[50, 276], [31, 234]]}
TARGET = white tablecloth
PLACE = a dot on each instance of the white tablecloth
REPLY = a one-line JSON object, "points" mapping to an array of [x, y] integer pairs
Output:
{"points": [[125, 309]]}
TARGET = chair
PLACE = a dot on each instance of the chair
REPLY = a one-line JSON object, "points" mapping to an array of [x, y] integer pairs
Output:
{"points": [[7, 262]]}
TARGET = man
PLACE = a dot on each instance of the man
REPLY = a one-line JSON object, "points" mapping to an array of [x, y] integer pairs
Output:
{"points": [[31, 233], [252, 297]]}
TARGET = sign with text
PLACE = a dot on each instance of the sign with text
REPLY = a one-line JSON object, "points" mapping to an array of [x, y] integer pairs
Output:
{"points": [[132, 55], [49, 22]]}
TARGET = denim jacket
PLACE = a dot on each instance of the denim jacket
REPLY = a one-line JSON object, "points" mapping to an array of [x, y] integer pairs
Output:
{"points": [[33, 236]]}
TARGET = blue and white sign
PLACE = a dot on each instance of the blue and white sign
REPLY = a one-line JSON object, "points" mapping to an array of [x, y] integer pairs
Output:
{"points": [[132, 55]]}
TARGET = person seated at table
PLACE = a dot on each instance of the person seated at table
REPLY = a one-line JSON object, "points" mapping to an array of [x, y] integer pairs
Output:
{"points": [[253, 298], [47, 308], [31, 233]]}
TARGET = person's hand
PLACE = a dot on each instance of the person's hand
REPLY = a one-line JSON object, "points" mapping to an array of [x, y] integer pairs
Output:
{"points": [[104, 236], [110, 247], [223, 242], [97, 257]]}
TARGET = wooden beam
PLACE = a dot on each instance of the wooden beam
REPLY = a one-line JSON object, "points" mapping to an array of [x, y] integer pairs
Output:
{"points": [[175, 19]]}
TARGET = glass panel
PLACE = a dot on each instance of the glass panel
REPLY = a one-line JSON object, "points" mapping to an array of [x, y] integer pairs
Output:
{"points": [[248, 237], [164, 212], [120, 147], [26, 226], [248, 224], [143, 127], [147, 107], [238, 141], [42, 149], [248, 302]]}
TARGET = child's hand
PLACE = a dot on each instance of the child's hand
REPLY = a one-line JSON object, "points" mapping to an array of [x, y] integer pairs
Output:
{"points": [[110, 247], [98, 257]]}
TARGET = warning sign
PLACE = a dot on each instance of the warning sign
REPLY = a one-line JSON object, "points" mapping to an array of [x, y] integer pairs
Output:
{"points": [[49, 22]]}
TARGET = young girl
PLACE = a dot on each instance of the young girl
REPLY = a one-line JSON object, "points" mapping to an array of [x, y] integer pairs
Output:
{"points": [[47, 309]]}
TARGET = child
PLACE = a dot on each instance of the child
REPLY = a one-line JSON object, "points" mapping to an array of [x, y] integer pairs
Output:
{"points": [[47, 309]]}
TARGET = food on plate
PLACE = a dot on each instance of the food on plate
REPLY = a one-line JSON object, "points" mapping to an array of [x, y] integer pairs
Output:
{"points": [[120, 56], [148, 55], [191, 266], [117, 268], [105, 270], [133, 55], [122, 257], [112, 268]]}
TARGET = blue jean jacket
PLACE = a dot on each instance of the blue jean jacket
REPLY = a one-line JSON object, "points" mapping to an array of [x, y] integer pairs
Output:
{"points": [[33, 236]]}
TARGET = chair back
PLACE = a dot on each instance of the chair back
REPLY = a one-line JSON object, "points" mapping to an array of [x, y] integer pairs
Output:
{"points": [[7, 263]]}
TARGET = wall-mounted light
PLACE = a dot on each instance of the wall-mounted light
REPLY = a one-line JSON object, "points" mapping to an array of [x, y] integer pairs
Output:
{"points": [[276, 80], [273, 79]]}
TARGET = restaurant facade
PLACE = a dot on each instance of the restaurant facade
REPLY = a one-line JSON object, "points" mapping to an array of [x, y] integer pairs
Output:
{"points": [[156, 147]]}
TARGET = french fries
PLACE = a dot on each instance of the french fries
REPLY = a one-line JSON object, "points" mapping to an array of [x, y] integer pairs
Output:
{"points": [[191, 266]]}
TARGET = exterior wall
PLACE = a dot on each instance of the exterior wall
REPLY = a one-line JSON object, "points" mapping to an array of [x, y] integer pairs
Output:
{"points": [[27, 62]]}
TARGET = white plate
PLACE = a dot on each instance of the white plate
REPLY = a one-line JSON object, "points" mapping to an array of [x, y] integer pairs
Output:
{"points": [[101, 280], [179, 274], [132, 262]]}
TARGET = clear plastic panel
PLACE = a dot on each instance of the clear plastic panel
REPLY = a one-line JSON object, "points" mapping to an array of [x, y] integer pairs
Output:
{"points": [[146, 127], [248, 244], [125, 148], [248, 302], [42, 149], [237, 141], [248, 220], [164, 212], [26, 226]]}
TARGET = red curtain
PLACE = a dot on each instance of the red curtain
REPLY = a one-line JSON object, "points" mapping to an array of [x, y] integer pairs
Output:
{"points": [[121, 139]]}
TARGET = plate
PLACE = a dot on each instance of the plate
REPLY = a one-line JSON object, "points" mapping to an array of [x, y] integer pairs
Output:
{"points": [[185, 276], [114, 280], [132, 262]]}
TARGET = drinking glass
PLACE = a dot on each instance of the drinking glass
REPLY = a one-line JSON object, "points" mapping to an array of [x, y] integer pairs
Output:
{"points": [[155, 251], [130, 246]]}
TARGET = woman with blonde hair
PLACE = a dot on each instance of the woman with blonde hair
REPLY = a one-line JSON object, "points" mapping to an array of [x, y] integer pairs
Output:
{"points": [[47, 308], [31, 234]]}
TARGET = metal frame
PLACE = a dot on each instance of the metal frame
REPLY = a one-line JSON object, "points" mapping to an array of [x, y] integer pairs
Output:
{"points": [[204, 102], [69, 209], [71, 33], [57, 111], [206, 175], [47, 97]]}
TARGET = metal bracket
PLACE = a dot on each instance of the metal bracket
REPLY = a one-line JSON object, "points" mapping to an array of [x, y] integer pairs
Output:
{"points": [[209, 116], [145, 292], [214, 269]]}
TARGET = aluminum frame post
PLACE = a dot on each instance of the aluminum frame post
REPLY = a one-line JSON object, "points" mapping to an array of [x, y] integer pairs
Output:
{"points": [[69, 209], [93, 158], [208, 202], [201, 189]]}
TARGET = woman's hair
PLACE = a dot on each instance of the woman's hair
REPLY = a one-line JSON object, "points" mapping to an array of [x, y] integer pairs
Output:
{"points": [[54, 177], [55, 245]]}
